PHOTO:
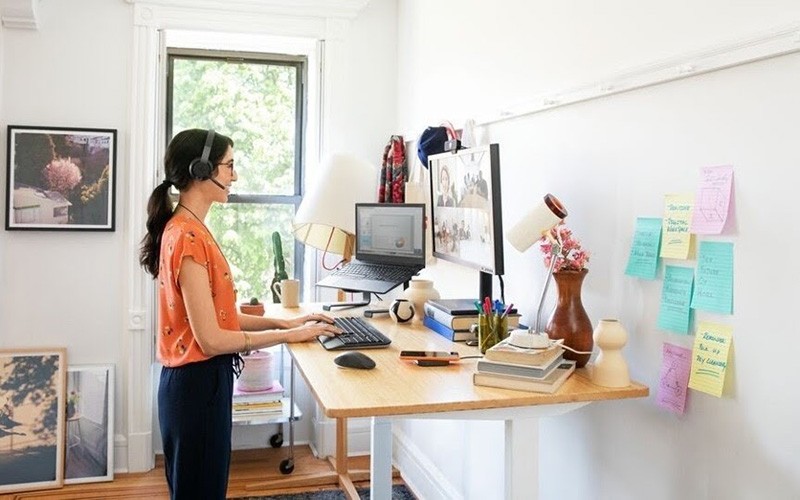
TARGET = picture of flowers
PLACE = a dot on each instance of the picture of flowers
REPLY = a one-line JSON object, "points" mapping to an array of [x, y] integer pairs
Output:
{"points": [[61, 178], [32, 419]]}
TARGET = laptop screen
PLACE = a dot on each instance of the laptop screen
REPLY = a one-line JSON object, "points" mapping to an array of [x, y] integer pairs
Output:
{"points": [[388, 233]]}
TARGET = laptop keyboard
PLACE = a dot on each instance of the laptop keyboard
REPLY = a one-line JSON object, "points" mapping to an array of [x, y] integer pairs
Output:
{"points": [[357, 334], [375, 272]]}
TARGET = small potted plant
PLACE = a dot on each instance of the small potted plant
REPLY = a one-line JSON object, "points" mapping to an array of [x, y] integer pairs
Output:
{"points": [[253, 307]]}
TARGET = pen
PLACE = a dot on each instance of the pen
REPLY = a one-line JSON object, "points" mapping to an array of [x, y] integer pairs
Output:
{"points": [[508, 310]]}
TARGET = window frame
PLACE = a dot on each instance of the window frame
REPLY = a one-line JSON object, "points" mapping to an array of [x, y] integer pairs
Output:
{"points": [[300, 64]]}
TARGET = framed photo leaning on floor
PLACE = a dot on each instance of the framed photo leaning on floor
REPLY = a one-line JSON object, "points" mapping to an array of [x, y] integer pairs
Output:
{"points": [[90, 424], [32, 418]]}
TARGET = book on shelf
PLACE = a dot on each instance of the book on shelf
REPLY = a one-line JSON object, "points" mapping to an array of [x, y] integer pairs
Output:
{"points": [[262, 407], [505, 352], [274, 393], [463, 321], [448, 333], [536, 372], [549, 384], [456, 307]]}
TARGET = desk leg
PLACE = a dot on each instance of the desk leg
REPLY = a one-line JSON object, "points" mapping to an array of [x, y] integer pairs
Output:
{"points": [[381, 462], [522, 458]]}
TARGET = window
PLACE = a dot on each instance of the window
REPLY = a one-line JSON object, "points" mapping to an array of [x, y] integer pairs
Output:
{"points": [[258, 101]]}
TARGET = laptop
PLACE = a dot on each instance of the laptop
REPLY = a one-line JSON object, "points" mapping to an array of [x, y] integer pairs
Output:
{"points": [[390, 248]]}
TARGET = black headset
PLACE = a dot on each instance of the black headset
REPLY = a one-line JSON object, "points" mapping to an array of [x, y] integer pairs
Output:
{"points": [[201, 168]]}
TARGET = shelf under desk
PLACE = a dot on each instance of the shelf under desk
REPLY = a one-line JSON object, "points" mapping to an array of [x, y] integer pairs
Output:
{"points": [[401, 389]]}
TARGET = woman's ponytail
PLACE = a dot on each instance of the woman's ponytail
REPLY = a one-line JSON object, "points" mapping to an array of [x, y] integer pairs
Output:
{"points": [[159, 211]]}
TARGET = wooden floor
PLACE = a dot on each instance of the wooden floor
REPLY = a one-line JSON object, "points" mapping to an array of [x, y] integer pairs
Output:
{"points": [[253, 473]]}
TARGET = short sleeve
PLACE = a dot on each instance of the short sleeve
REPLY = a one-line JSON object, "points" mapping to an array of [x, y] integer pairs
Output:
{"points": [[188, 243]]}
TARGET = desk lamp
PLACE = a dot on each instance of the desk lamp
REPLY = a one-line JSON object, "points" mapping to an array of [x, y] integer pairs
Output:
{"points": [[326, 218], [530, 229]]}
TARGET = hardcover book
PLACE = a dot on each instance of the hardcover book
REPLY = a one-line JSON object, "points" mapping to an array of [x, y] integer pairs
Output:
{"points": [[519, 370], [463, 321], [549, 384], [448, 333], [456, 307], [505, 352]]}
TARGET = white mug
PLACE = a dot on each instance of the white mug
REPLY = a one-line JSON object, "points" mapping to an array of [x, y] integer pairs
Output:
{"points": [[289, 292]]}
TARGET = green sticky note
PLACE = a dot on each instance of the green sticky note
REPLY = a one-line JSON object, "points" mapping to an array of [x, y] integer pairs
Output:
{"points": [[643, 258], [713, 289], [675, 314]]}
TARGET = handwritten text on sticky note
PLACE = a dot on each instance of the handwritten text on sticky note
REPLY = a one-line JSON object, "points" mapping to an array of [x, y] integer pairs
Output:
{"points": [[676, 241], [713, 289], [710, 357], [676, 362], [643, 259], [712, 202]]}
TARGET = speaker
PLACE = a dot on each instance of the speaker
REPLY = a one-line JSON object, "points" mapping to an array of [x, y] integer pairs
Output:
{"points": [[201, 168]]}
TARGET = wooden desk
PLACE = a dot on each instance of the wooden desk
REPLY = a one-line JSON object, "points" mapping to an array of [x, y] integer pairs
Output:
{"points": [[400, 389]]}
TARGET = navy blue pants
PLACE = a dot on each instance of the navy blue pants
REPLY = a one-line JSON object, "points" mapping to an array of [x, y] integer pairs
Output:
{"points": [[194, 413]]}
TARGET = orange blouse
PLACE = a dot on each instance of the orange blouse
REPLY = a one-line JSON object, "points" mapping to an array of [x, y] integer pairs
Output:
{"points": [[186, 237]]}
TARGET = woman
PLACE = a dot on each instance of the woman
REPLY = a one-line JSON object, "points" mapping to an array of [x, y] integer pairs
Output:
{"points": [[445, 198], [200, 331]]}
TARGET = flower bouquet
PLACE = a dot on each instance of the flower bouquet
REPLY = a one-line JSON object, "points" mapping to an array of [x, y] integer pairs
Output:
{"points": [[559, 243]]}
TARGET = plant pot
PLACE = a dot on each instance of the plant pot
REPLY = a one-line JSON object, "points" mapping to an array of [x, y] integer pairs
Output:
{"points": [[253, 309], [418, 292]]}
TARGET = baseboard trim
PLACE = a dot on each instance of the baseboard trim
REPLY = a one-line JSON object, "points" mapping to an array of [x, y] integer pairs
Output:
{"points": [[421, 475]]}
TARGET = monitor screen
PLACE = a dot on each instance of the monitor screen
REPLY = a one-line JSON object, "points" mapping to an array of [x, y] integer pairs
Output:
{"points": [[466, 205]]}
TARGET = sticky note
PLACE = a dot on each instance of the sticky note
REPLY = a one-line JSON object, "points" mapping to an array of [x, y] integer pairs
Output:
{"points": [[643, 258], [712, 344], [712, 203], [676, 240], [675, 313], [713, 289], [676, 363]]}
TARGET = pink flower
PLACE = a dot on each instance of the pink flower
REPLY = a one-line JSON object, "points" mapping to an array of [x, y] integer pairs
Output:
{"points": [[571, 256], [62, 175]]}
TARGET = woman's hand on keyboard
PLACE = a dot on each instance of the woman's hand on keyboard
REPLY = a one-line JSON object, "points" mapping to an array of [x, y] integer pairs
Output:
{"points": [[312, 331], [307, 318]]}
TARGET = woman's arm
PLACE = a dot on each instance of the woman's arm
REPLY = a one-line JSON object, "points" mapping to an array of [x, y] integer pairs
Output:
{"points": [[213, 340]]}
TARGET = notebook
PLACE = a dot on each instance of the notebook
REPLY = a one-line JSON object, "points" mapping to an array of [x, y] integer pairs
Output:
{"points": [[390, 248]]}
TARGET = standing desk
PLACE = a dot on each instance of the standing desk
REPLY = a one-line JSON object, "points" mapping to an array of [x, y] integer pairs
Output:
{"points": [[397, 389]]}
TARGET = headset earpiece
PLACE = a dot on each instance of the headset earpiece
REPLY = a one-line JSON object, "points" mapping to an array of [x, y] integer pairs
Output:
{"points": [[201, 168]]}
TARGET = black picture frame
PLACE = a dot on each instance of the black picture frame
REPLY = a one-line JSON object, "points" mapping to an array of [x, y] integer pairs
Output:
{"points": [[61, 178]]}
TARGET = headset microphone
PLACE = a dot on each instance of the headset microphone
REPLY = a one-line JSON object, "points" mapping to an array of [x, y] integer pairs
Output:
{"points": [[216, 182]]}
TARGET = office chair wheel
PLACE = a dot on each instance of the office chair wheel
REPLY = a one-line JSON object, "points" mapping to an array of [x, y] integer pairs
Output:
{"points": [[287, 466], [276, 441]]}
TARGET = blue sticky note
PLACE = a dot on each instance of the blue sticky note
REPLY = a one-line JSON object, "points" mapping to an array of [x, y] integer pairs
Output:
{"points": [[643, 258], [675, 314], [713, 289]]}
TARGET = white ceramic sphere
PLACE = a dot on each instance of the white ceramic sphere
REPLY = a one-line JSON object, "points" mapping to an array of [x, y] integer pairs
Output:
{"points": [[401, 310]]}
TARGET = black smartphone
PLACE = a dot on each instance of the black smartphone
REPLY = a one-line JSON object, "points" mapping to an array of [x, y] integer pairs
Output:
{"points": [[429, 356]]}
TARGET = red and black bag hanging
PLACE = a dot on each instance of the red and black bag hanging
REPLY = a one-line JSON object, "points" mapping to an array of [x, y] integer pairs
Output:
{"points": [[393, 172]]}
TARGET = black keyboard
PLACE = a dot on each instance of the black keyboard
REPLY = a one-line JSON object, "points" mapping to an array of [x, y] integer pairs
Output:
{"points": [[357, 334]]}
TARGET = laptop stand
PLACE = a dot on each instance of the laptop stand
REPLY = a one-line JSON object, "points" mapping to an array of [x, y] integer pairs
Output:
{"points": [[366, 298]]}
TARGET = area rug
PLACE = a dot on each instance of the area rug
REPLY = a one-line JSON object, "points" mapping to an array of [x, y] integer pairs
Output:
{"points": [[399, 492]]}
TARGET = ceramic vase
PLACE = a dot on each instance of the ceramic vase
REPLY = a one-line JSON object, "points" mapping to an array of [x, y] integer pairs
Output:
{"points": [[418, 291], [569, 320], [610, 368]]}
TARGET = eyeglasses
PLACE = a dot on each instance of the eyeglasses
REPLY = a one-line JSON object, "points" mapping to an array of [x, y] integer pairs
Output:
{"points": [[228, 164]]}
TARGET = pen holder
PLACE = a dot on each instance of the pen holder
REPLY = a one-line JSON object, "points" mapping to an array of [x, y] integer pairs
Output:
{"points": [[491, 329]]}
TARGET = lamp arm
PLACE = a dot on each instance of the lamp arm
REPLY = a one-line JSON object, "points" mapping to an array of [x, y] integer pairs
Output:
{"points": [[555, 249]]}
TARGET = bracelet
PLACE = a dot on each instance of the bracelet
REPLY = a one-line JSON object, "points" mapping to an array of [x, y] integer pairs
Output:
{"points": [[247, 345]]}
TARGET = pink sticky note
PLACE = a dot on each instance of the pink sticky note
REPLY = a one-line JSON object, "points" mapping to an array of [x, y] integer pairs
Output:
{"points": [[672, 387], [712, 202]]}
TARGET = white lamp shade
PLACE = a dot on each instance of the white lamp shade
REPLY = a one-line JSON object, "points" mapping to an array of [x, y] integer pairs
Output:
{"points": [[536, 223], [326, 217]]}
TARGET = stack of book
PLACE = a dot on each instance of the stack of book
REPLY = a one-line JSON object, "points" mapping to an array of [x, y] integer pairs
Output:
{"points": [[535, 370], [453, 318], [259, 403]]}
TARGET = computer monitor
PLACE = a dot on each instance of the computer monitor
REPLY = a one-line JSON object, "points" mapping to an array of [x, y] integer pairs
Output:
{"points": [[466, 211]]}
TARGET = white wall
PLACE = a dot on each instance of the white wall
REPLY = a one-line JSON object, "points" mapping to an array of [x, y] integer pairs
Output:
{"points": [[64, 288], [611, 160], [69, 288]]}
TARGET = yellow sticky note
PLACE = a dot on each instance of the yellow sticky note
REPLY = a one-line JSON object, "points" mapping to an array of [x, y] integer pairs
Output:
{"points": [[712, 344], [676, 240]]}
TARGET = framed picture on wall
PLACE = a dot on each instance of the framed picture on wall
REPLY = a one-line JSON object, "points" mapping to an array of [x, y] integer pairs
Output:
{"points": [[90, 424], [32, 418], [61, 178]]}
